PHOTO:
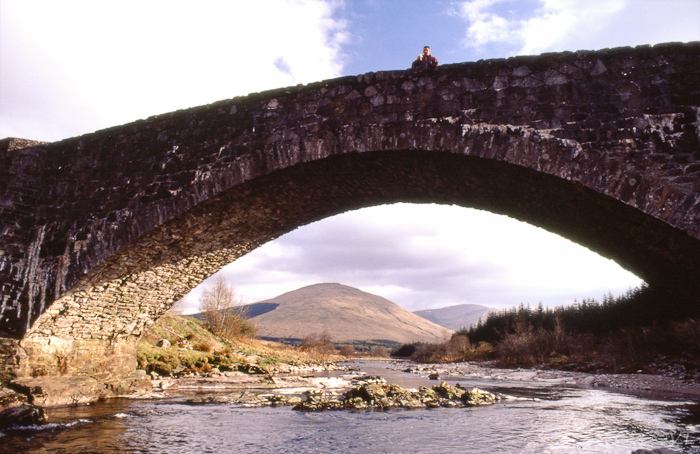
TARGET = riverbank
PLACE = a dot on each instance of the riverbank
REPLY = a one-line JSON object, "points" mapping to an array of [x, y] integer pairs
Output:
{"points": [[193, 357], [563, 419], [338, 377], [180, 357]]}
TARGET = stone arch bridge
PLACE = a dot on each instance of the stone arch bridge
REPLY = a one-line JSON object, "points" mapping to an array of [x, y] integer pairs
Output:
{"points": [[100, 234]]}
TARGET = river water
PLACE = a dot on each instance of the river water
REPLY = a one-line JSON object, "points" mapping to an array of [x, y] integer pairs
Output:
{"points": [[550, 420]]}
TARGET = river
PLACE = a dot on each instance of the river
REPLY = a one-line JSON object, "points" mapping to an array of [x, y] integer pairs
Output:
{"points": [[553, 419]]}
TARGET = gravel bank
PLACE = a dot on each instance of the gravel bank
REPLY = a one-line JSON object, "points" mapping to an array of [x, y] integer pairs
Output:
{"points": [[630, 382]]}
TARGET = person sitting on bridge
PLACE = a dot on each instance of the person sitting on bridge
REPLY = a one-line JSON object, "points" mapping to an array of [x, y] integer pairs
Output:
{"points": [[425, 60]]}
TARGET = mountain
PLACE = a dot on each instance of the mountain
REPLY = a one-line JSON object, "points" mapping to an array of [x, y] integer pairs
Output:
{"points": [[456, 317], [346, 313]]}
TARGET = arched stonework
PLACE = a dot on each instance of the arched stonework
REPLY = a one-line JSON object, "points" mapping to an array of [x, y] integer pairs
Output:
{"points": [[102, 233]]}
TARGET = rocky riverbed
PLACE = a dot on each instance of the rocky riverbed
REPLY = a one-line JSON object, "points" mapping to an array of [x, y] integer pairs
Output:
{"points": [[337, 386], [486, 371], [362, 392]]}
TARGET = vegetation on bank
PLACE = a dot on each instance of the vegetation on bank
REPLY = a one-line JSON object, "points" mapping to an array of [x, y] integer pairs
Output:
{"points": [[193, 348], [641, 330], [222, 340]]}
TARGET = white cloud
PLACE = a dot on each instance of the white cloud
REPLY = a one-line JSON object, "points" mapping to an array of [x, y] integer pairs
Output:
{"points": [[558, 25], [486, 26], [423, 256], [560, 22], [552, 23], [74, 66]]}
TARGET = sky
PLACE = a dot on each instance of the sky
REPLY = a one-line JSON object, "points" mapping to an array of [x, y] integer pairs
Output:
{"points": [[72, 67]]}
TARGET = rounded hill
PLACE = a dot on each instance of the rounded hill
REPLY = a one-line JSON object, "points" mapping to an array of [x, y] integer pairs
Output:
{"points": [[345, 313]]}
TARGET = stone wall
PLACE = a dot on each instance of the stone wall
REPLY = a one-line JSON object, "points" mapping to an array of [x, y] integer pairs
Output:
{"points": [[102, 233]]}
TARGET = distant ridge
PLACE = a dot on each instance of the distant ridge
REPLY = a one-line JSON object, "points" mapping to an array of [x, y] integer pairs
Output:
{"points": [[346, 313], [255, 309], [456, 317]]}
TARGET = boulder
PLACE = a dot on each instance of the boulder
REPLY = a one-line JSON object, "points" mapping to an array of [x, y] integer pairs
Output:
{"points": [[479, 397], [448, 391], [10, 399], [384, 396], [22, 415], [163, 343], [252, 369], [135, 384]]}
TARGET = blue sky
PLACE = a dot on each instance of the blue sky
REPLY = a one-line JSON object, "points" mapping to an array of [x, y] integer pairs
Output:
{"points": [[72, 67]]}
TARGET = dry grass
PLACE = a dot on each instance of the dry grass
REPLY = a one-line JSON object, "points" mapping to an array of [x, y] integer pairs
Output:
{"points": [[206, 350], [203, 347]]}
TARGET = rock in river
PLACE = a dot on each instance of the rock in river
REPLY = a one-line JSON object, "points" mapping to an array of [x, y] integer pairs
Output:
{"points": [[385, 396]]}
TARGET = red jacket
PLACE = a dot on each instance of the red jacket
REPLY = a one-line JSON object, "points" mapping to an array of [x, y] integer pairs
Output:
{"points": [[425, 62]]}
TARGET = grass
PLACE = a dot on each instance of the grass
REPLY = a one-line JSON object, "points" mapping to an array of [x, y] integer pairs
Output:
{"points": [[197, 350]]}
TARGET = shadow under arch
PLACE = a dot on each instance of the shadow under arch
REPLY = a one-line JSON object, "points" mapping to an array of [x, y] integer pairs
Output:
{"points": [[112, 306]]}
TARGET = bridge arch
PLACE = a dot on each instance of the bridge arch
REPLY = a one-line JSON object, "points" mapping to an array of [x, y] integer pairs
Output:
{"points": [[600, 148]]}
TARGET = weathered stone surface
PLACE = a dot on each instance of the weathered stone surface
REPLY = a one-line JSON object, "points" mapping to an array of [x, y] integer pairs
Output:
{"points": [[11, 144], [79, 355], [60, 391], [100, 234], [74, 390], [135, 384]]}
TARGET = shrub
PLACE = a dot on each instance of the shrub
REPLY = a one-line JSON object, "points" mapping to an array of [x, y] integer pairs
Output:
{"points": [[203, 346], [347, 350], [318, 344], [483, 352], [406, 350], [380, 352], [430, 353], [459, 347], [160, 368]]}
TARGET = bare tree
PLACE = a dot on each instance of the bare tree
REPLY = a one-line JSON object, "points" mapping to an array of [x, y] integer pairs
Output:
{"points": [[223, 314]]}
